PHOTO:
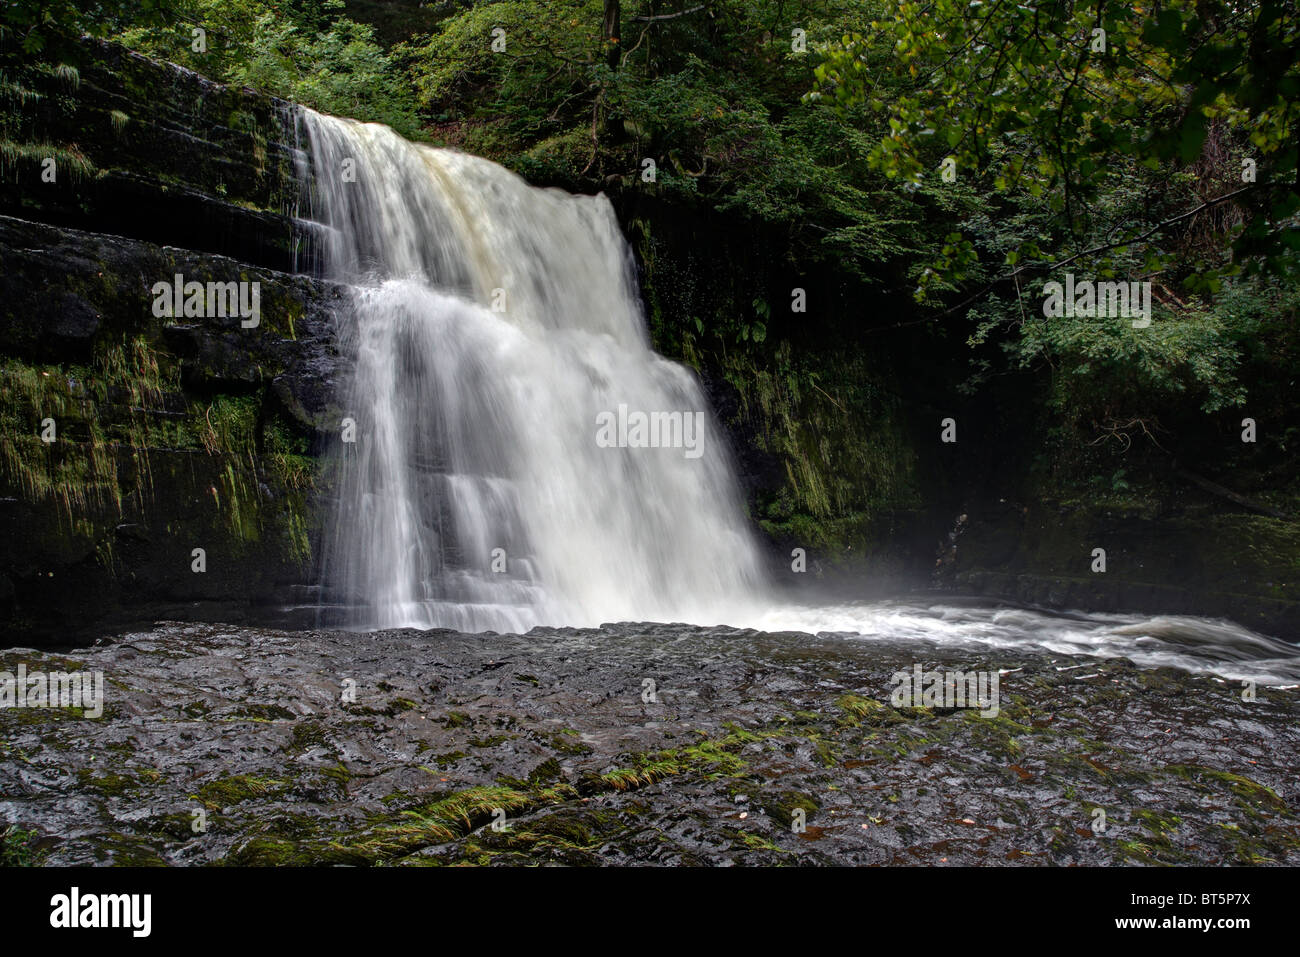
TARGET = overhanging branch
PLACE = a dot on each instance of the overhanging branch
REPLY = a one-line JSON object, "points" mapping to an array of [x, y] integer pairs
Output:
{"points": [[670, 16]]}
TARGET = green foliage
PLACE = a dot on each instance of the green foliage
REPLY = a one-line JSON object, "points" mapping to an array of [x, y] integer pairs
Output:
{"points": [[1112, 384], [1100, 364], [31, 24], [713, 96], [1046, 99], [18, 847], [302, 51], [459, 60]]}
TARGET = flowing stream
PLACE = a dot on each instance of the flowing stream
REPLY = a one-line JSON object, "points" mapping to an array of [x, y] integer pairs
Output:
{"points": [[522, 457]]}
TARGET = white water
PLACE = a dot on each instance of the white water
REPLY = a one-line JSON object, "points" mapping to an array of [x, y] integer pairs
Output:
{"points": [[477, 428], [1179, 641], [476, 431]]}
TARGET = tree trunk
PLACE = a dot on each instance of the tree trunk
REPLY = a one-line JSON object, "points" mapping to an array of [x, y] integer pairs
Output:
{"points": [[612, 33]]}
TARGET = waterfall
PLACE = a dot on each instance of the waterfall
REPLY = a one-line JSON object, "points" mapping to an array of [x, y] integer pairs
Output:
{"points": [[521, 456]]}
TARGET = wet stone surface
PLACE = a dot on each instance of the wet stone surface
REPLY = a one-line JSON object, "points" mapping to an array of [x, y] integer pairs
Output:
{"points": [[548, 734]]}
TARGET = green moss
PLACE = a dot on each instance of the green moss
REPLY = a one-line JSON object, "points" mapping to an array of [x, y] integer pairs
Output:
{"points": [[781, 805], [17, 95], [261, 712], [65, 73], [1141, 851], [564, 833], [103, 419], [750, 841], [109, 783], [177, 825], [434, 823], [846, 452], [276, 851], [711, 758], [77, 472], [1250, 794], [566, 742], [285, 456], [307, 735], [108, 417], [337, 773], [229, 791], [716, 757], [129, 850], [858, 710], [623, 779], [1157, 822], [447, 759]]}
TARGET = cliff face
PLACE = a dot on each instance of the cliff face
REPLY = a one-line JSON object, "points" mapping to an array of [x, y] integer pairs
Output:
{"points": [[132, 439]]}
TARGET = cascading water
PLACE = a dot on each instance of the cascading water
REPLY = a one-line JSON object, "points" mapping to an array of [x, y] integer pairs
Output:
{"points": [[494, 325]]}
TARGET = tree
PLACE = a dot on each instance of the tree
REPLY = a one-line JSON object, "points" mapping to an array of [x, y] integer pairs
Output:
{"points": [[1052, 98], [611, 30]]}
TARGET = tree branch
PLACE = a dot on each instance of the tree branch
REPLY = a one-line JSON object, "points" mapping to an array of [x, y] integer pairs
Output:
{"points": [[1033, 267], [670, 16], [1126, 241]]}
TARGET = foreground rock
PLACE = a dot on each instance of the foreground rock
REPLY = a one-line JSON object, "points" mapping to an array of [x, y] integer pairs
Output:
{"points": [[748, 730]]}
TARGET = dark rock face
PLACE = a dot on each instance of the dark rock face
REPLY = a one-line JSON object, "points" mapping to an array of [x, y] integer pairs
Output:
{"points": [[103, 521], [153, 152], [753, 748], [62, 289], [171, 433]]}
